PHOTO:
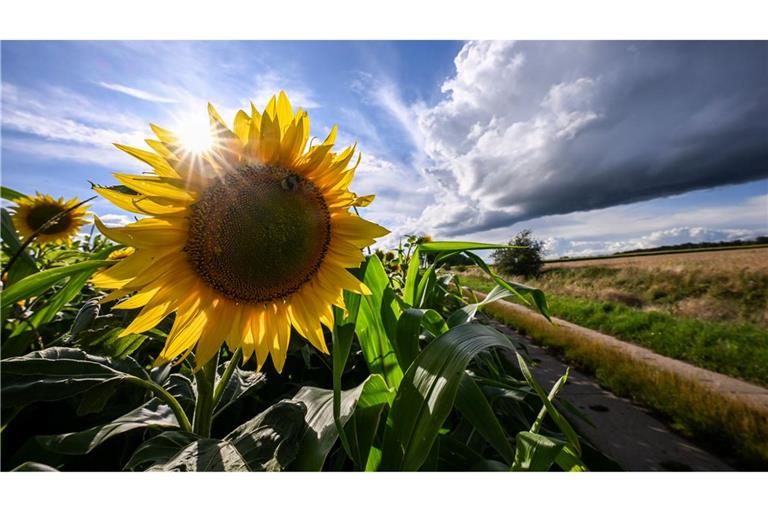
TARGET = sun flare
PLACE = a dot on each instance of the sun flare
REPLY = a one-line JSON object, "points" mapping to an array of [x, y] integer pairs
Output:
{"points": [[194, 133]]}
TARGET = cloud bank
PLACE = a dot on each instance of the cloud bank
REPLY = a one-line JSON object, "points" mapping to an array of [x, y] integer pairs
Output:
{"points": [[529, 129]]}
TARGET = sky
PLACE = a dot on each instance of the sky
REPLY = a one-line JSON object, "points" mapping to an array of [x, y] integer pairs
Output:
{"points": [[596, 146]]}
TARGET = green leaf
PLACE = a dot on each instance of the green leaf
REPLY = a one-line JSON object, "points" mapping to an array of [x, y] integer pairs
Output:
{"points": [[425, 286], [57, 372], [472, 404], [468, 312], [34, 466], [521, 291], [411, 278], [558, 418], [153, 414], [107, 340], [535, 452], [266, 442], [427, 393], [25, 263], [556, 387], [409, 327], [204, 455], [321, 432], [343, 334], [160, 449], [240, 384], [361, 430], [40, 282], [376, 323], [269, 441], [10, 194], [60, 299], [568, 460]]}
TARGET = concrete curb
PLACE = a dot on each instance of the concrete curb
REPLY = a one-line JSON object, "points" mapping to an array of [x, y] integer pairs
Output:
{"points": [[731, 388]]}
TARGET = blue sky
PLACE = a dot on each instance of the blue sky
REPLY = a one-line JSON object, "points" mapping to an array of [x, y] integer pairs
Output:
{"points": [[596, 146]]}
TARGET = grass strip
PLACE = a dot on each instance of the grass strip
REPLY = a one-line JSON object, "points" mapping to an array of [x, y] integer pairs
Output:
{"points": [[738, 350]]}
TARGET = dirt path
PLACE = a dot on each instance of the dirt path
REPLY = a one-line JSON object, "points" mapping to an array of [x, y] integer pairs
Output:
{"points": [[623, 431]]}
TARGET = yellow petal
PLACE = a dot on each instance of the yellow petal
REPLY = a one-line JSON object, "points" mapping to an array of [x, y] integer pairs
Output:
{"points": [[363, 201], [149, 232], [138, 203], [284, 111], [242, 126], [282, 337], [355, 227], [167, 188], [158, 163], [165, 302]]}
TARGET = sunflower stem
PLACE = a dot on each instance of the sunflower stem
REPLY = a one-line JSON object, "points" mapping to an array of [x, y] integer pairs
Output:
{"points": [[222, 384], [161, 393], [205, 379]]}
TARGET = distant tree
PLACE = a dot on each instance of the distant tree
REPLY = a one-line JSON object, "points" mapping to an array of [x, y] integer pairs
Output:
{"points": [[525, 261]]}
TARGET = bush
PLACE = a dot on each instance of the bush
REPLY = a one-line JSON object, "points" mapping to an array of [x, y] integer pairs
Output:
{"points": [[526, 260]]}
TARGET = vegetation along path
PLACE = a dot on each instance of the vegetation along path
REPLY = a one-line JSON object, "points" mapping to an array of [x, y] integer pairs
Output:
{"points": [[630, 434]]}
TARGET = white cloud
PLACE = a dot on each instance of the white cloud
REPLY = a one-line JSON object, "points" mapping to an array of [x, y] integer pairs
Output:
{"points": [[529, 129], [66, 126], [558, 247], [113, 220], [101, 155], [136, 93], [270, 83]]}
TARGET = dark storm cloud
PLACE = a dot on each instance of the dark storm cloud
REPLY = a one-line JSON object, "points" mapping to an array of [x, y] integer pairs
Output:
{"points": [[539, 128]]}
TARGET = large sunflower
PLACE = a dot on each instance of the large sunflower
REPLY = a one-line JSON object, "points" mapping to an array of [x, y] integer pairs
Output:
{"points": [[33, 212], [243, 241]]}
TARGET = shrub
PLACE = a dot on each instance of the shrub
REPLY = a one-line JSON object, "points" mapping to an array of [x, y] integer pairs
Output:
{"points": [[523, 260]]}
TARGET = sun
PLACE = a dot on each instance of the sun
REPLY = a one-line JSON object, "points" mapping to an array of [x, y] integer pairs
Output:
{"points": [[194, 133]]}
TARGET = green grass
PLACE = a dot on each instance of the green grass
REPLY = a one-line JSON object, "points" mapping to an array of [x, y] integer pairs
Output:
{"points": [[731, 426], [739, 350]]}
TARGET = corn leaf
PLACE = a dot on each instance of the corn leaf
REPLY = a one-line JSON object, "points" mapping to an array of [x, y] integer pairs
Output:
{"points": [[321, 432], [427, 393], [409, 328], [40, 282], [376, 323], [472, 404]]}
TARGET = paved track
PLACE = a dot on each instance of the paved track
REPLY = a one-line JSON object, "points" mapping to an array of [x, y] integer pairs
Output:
{"points": [[627, 433]]}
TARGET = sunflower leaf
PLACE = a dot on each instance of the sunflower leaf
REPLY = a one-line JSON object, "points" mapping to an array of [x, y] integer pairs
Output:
{"points": [[153, 414], [240, 384], [159, 449], [56, 373]]}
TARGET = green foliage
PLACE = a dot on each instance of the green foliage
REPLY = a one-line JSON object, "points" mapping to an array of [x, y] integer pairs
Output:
{"points": [[525, 258], [413, 383]]}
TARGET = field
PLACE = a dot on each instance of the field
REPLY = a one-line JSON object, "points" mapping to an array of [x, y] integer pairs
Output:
{"points": [[707, 308]]}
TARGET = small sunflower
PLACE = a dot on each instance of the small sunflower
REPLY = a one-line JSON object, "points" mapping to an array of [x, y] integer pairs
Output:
{"points": [[243, 241], [33, 212]]}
